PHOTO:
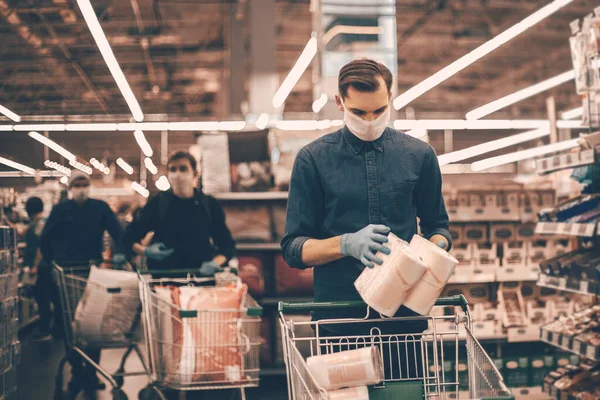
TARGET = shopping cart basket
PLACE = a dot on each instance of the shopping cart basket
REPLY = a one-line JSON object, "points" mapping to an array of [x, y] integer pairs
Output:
{"points": [[200, 349], [72, 282], [416, 365]]}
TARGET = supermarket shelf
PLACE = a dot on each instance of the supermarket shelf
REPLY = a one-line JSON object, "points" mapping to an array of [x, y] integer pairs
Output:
{"points": [[258, 246], [273, 371], [568, 343], [565, 161], [257, 196], [568, 285], [566, 229]]}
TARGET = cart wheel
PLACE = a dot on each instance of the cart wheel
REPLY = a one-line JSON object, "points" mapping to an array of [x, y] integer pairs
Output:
{"points": [[119, 379], [118, 394], [148, 393]]}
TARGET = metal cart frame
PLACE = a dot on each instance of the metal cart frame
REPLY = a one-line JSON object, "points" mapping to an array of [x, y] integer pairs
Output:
{"points": [[406, 375], [71, 282], [246, 322]]}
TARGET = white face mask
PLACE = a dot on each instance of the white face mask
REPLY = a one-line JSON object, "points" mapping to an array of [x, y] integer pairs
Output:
{"points": [[367, 130], [80, 195], [182, 182]]}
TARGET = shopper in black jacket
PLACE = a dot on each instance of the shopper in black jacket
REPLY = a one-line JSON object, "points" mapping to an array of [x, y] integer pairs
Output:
{"points": [[189, 226]]}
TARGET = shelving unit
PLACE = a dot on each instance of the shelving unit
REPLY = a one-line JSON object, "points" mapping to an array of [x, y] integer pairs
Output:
{"points": [[566, 229], [570, 344], [568, 285], [565, 161]]}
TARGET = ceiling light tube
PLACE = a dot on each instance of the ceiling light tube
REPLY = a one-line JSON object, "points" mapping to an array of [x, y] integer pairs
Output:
{"points": [[52, 145], [21, 174], [299, 125], [232, 126], [296, 72], [16, 165], [82, 167], [40, 127], [126, 167], [572, 114], [91, 127], [263, 121], [143, 143], [145, 126], [140, 189], [162, 183], [481, 51], [493, 145], [194, 126], [570, 124], [319, 103], [522, 94], [64, 180], [523, 155], [6, 128], [150, 166], [92, 22], [11, 115]]}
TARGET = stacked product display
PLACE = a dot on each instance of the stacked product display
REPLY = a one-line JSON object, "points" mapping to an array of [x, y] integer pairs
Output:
{"points": [[10, 347], [574, 381]]}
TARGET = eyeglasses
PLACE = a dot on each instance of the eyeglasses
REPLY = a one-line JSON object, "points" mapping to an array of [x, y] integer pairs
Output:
{"points": [[182, 168]]}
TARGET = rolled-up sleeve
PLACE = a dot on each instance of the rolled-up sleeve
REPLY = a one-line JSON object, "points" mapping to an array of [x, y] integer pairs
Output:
{"points": [[304, 209], [431, 209]]}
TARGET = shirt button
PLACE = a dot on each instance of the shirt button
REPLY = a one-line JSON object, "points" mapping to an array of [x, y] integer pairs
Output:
{"points": [[370, 162]]}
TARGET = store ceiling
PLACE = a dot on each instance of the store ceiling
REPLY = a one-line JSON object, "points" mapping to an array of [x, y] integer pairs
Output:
{"points": [[51, 65]]}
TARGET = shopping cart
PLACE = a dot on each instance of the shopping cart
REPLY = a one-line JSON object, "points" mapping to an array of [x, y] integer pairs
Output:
{"points": [[215, 349], [416, 365], [72, 282]]}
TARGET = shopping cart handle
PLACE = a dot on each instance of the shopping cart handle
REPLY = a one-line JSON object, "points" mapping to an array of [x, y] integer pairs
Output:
{"points": [[457, 300], [171, 272], [284, 307]]}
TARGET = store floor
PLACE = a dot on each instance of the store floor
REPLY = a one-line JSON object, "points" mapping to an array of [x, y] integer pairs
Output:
{"points": [[39, 364]]}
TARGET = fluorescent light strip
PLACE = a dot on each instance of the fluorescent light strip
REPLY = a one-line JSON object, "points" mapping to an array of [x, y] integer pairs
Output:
{"points": [[162, 183], [481, 51], [126, 167], [461, 124], [16, 165], [64, 180], [21, 174], [11, 115], [91, 127], [493, 145], [296, 72], [143, 143], [140, 189], [319, 103], [194, 126], [232, 126], [572, 114], [58, 167], [515, 97], [53, 145], [40, 127], [145, 126], [92, 21], [523, 155], [82, 167], [263, 121], [6, 128], [150, 166]]}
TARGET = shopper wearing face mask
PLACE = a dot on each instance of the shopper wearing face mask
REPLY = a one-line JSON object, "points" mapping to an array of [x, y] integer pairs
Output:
{"points": [[350, 188], [73, 236], [189, 226]]}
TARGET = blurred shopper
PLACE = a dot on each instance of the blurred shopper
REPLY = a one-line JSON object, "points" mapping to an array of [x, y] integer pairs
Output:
{"points": [[352, 187], [187, 229], [73, 236], [45, 292], [189, 226]]}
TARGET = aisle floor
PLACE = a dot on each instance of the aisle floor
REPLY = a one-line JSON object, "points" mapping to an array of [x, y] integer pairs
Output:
{"points": [[39, 364]]}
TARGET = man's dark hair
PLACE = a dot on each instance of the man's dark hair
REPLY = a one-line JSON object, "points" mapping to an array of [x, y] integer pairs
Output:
{"points": [[34, 206], [183, 155], [362, 75]]}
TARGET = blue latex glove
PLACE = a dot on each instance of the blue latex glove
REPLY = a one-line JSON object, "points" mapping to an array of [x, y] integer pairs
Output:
{"points": [[119, 259], [364, 244], [209, 268], [158, 251], [441, 244]]}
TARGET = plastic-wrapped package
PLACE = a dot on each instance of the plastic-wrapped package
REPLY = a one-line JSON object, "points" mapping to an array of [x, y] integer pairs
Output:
{"points": [[385, 287], [102, 315], [355, 393], [579, 60], [347, 368], [292, 280], [250, 271], [440, 266], [170, 331]]}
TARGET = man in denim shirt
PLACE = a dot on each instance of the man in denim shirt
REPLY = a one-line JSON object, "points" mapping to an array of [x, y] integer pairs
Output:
{"points": [[350, 188]]}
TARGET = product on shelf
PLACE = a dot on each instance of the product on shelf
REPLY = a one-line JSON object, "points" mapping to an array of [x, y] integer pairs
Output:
{"points": [[581, 382], [249, 223], [511, 303], [251, 272], [292, 281], [578, 332]]}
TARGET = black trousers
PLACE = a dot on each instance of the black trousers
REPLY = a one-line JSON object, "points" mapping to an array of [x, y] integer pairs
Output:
{"points": [[46, 294]]}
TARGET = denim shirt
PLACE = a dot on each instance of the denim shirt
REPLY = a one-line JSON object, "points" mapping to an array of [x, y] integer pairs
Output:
{"points": [[341, 184]]}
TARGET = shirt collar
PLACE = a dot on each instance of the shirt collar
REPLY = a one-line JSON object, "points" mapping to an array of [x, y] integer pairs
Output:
{"points": [[357, 144]]}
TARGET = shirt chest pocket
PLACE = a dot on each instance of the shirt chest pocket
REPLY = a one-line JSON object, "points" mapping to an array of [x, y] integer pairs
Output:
{"points": [[398, 199]]}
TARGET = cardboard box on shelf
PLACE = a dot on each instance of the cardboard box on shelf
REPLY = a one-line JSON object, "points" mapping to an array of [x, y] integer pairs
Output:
{"points": [[534, 392], [547, 198], [457, 233], [463, 252], [540, 250], [486, 254], [451, 202], [528, 291], [462, 274], [510, 205], [529, 205], [477, 205], [464, 210], [502, 232], [515, 371], [562, 246], [476, 233], [484, 273], [525, 232], [514, 250], [527, 333], [511, 304], [249, 223], [516, 270], [475, 293]]}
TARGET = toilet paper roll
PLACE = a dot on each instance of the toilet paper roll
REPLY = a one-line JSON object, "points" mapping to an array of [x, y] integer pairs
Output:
{"points": [[347, 368], [355, 393], [440, 266], [385, 287]]}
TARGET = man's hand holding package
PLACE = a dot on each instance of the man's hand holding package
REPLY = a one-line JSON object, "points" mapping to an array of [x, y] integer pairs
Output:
{"points": [[440, 241], [364, 244]]}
